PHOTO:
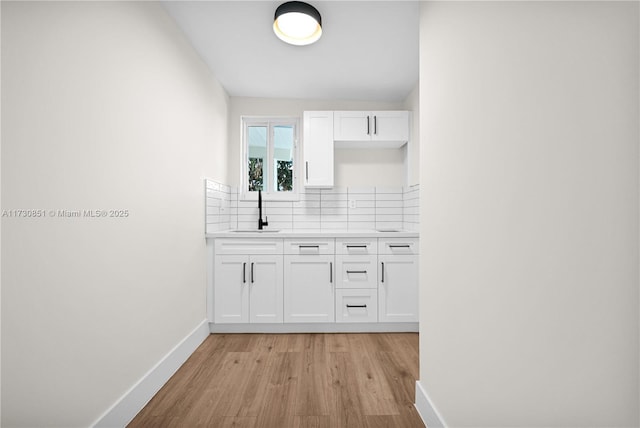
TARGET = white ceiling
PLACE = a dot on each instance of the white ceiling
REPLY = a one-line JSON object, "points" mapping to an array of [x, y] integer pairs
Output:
{"points": [[368, 49]]}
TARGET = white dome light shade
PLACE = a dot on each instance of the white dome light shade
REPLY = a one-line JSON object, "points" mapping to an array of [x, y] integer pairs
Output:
{"points": [[297, 23]]}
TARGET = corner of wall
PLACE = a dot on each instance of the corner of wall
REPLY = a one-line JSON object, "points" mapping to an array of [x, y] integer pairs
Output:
{"points": [[127, 407], [426, 409]]}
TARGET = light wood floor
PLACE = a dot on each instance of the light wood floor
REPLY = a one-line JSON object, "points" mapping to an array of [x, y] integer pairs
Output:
{"points": [[292, 381]]}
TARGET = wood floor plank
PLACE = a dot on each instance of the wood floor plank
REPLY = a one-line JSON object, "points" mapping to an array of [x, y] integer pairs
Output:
{"points": [[280, 411], [237, 422], [337, 342], [375, 394], [259, 374], [292, 381], [312, 422], [313, 395], [348, 408]]}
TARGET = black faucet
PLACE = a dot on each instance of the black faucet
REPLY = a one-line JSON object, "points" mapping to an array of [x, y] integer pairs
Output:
{"points": [[261, 223]]}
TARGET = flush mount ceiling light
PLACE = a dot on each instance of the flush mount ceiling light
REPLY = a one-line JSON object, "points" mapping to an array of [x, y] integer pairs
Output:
{"points": [[297, 23]]}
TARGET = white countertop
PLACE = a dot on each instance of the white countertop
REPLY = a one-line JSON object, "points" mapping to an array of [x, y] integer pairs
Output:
{"points": [[312, 233]]}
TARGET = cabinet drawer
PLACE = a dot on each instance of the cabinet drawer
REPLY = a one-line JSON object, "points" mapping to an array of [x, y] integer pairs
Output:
{"points": [[248, 246], [398, 246], [356, 305], [309, 246], [357, 246], [356, 271]]}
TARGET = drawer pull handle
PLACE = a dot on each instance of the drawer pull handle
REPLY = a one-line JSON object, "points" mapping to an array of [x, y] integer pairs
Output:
{"points": [[244, 273], [399, 246], [356, 246], [252, 273], [357, 271], [356, 306], [308, 246], [382, 271], [331, 272]]}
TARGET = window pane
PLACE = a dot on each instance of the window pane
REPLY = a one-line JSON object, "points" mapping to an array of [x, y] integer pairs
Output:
{"points": [[257, 145], [283, 144]]}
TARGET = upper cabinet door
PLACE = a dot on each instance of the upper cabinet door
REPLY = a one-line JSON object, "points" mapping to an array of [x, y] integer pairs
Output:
{"points": [[390, 126], [318, 149], [386, 129], [352, 125]]}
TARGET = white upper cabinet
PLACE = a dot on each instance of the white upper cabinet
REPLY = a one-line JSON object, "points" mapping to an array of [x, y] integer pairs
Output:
{"points": [[318, 148], [352, 125], [387, 129]]}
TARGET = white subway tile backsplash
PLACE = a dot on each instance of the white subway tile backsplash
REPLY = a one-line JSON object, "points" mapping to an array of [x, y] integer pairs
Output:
{"points": [[396, 225], [390, 210], [269, 210], [307, 204], [334, 225], [329, 209], [362, 203], [334, 211], [333, 197], [306, 211], [333, 204], [362, 217], [306, 224], [388, 217], [362, 225], [388, 204]]}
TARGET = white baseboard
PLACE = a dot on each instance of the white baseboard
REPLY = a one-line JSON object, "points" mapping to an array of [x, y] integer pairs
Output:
{"points": [[389, 327], [427, 410], [128, 406]]}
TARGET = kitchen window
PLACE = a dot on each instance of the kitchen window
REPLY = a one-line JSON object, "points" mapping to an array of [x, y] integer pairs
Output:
{"points": [[270, 158]]}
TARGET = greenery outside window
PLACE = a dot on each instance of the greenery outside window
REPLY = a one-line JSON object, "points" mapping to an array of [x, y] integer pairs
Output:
{"points": [[269, 161]]}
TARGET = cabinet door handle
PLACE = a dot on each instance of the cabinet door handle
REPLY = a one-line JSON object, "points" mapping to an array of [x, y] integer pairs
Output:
{"points": [[356, 306], [382, 271], [399, 246], [368, 126], [357, 271], [375, 125], [307, 170], [331, 272], [252, 273], [244, 273]]}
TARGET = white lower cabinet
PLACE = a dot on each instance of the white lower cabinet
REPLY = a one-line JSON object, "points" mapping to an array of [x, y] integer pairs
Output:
{"points": [[248, 287], [311, 280], [398, 288], [231, 291], [309, 288]]}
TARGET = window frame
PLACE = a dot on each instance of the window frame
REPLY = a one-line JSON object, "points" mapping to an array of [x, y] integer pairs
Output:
{"points": [[270, 122]]}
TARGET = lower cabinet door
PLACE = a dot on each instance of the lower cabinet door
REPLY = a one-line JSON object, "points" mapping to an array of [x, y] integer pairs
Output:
{"points": [[356, 305], [265, 290], [398, 288], [309, 283], [231, 289]]}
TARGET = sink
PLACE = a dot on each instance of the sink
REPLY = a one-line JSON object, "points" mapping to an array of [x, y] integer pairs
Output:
{"points": [[255, 231]]}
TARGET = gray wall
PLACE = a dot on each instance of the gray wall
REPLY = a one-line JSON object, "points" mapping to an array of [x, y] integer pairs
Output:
{"points": [[104, 106], [529, 228]]}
